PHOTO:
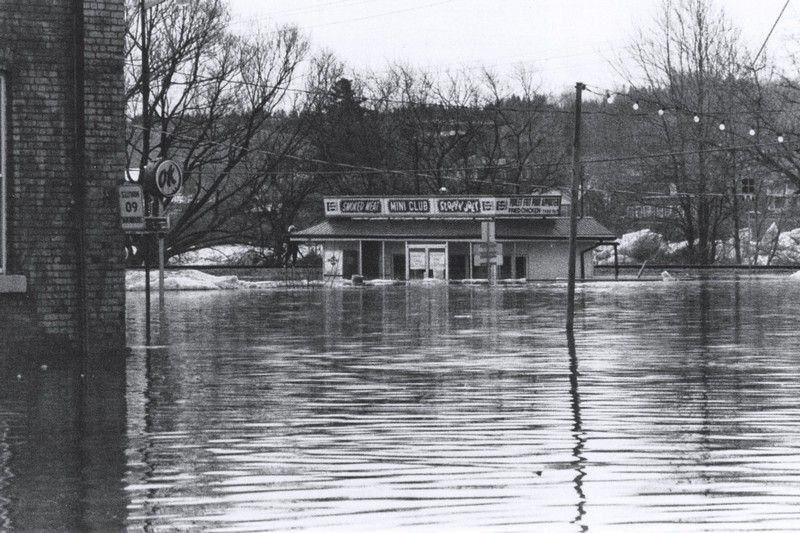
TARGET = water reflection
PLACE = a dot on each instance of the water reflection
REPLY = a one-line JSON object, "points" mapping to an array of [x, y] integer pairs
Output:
{"points": [[62, 425], [674, 406], [577, 431]]}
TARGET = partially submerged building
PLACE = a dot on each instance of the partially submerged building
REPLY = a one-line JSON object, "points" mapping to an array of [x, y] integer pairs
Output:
{"points": [[62, 153], [451, 238]]}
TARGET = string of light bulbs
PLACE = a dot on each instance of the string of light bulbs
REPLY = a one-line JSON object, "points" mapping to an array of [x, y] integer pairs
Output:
{"points": [[696, 116]]}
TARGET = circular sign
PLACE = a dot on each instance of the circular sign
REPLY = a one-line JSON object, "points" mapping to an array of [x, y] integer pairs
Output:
{"points": [[165, 179]]}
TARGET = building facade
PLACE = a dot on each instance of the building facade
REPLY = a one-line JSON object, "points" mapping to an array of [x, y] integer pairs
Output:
{"points": [[450, 238], [63, 154]]}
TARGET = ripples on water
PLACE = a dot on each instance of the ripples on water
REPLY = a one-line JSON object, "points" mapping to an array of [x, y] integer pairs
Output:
{"points": [[454, 408], [463, 408]]}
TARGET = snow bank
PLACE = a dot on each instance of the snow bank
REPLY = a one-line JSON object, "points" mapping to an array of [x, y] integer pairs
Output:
{"points": [[216, 255], [645, 244], [194, 280], [796, 275]]}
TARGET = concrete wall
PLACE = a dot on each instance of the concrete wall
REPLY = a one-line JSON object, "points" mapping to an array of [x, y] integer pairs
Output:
{"points": [[36, 54], [548, 260]]}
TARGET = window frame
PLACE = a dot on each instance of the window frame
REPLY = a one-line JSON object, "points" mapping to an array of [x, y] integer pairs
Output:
{"points": [[3, 173]]}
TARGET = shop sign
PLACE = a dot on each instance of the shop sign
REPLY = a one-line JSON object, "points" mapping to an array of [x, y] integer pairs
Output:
{"points": [[460, 205], [403, 205], [164, 178], [529, 206], [534, 205], [360, 206], [487, 252]]}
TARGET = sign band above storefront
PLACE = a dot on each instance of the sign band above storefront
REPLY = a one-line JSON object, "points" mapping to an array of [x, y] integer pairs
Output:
{"points": [[541, 205]]}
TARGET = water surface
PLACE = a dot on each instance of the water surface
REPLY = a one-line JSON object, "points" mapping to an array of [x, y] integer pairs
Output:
{"points": [[431, 407], [423, 408]]}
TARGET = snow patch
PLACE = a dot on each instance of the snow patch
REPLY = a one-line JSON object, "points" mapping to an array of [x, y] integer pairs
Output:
{"points": [[216, 255], [194, 280]]}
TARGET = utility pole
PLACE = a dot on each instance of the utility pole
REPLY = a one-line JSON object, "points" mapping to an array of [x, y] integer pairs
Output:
{"points": [[145, 157], [735, 179], [573, 211]]}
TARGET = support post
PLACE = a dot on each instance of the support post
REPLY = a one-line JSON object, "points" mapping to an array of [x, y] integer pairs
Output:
{"points": [[573, 212], [490, 241], [616, 263], [160, 247]]}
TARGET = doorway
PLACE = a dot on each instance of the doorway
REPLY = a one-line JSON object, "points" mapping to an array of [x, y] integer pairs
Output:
{"points": [[427, 261], [371, 259]]}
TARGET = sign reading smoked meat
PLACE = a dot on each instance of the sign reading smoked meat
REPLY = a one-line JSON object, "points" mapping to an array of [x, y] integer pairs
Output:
{"points": [[360, 206]]}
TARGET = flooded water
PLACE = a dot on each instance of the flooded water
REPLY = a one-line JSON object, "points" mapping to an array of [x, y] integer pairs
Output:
{"points": [[428, 408]]}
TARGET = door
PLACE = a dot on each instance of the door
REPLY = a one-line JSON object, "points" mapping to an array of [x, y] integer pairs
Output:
{"points": [[371, 259], [427, 261], [521, 267], [349, 263]]}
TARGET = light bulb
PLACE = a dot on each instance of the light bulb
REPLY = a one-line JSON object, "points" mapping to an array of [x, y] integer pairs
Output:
{"points": [[660, 112], [636, 106], [697, 118], [780, 138], [752, 132], [721, 126]]}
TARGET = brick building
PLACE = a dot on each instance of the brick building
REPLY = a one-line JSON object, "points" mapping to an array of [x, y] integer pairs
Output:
{"points": [[61, 158]]}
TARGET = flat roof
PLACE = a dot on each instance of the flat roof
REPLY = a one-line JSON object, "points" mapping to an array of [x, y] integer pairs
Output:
{"points": [[438, 229]]}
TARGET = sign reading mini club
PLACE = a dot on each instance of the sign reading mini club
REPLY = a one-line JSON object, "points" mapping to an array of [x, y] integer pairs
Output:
{"points": [[164, 178], [541, 205], [131, 207]]}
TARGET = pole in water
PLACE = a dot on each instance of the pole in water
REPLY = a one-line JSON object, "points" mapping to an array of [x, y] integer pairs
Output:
{"points": [[573, 211], [146, 243]]}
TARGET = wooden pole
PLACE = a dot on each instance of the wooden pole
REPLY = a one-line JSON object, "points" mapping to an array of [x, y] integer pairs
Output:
{"points": [[573, 212], [145, 156]]}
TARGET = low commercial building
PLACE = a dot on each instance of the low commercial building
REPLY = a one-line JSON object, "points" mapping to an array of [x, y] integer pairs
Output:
{"points": [[451, 238]]}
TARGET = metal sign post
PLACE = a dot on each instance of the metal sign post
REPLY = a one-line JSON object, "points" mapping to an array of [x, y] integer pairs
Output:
{"points": [[488, 236], [164, 178]]}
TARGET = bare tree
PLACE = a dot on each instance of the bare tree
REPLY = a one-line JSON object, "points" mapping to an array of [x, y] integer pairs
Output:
{"points": [[217, 99], [688, 63]]}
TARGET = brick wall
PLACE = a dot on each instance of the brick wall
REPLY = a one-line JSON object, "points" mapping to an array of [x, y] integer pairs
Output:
{"points": [[36, 48]]}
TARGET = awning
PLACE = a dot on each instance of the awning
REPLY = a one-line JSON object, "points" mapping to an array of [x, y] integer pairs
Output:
{"points": [[441, 230]]}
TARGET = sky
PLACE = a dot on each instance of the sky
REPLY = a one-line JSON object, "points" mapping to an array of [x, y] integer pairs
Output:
{"points": [[563, 41]]}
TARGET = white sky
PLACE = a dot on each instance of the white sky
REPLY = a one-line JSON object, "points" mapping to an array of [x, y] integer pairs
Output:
{"points": [[564, 41]]}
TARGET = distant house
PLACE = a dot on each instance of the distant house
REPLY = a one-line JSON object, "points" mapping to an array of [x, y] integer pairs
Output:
{"points": [[766, 197], [62, 155]]}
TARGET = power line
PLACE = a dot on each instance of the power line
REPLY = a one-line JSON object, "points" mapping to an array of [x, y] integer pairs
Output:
{"points": [[770, 32], [354, 169]]}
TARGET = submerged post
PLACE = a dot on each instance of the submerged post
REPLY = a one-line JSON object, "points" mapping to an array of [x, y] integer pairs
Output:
{"points": [[573, 211]]}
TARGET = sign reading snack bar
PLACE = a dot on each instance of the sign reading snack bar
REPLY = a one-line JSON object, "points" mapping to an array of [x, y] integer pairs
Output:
{"points": [[530, 206]]}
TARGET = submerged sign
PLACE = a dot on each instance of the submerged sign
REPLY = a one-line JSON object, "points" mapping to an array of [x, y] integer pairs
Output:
{"points": [[528, 206]]}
